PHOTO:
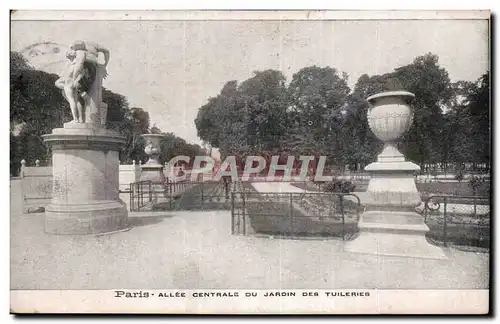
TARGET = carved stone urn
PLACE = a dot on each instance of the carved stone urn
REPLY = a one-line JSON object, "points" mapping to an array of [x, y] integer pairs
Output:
{"points": [[152, 148], [390, 224], [152, 170]]}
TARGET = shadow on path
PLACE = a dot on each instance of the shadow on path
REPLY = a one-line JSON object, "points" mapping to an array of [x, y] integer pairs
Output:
{"points": [[145, 221]]}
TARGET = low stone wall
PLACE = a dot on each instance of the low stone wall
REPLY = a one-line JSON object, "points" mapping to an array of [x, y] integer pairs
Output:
{"points": [[36, 184], [129, 174]]}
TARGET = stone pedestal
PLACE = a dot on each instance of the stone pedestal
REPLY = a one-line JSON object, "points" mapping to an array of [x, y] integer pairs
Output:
{"points": [[154, 173], [85, 165], [390, 225], [152, 170]]}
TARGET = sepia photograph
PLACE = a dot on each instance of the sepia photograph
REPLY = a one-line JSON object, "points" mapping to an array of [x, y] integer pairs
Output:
{"points": [[277, 162]]}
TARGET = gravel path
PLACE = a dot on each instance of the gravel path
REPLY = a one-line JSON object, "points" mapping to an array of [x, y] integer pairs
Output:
{"points": [[272, 187]]}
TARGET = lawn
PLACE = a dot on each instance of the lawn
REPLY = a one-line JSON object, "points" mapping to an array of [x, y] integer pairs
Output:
{"points": [[202, 196], [297, 215], [425, 189], [453, 188], [462, 228], [309, 216], [460, 234], [279, 219]]}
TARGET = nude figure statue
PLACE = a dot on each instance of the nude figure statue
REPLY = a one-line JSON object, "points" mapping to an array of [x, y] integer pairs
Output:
{"points": [[81, 81], [70, 85]]}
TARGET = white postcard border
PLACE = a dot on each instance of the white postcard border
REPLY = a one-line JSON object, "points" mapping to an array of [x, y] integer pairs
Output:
{"points": [[247, 14], [379, 302], [235, 301]]}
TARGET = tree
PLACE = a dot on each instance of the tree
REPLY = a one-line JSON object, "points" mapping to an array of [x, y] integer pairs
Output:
{"points": [[221, 117], [172, 145], [316, 101], [433, 90], [318, 114], [245, 119], [265, 100], [37, 107], [479, 111], [18, 62], [469, 113], [363, 144], [134, 123], [14, 155], [154, 130]]}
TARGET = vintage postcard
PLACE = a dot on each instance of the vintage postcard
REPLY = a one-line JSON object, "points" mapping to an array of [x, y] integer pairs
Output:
{"points": [[250, 162]]}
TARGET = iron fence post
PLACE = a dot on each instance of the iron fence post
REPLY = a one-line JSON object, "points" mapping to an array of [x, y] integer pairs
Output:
{"points": [[426, 202], [150, 187], [445, 229], [475, 205], [131, 198], [232, 214], [136, 196], [244, 214], [170, 193], [291, 214], [141, 196], [201, 185], [226, 189], [342, 212]]}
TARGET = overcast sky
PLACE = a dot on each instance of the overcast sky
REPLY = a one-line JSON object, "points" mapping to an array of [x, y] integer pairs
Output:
{"points": [[171, 68]]}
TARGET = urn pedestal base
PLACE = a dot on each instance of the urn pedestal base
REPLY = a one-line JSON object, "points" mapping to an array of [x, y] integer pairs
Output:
{"points": [[153, 169], [85, 194], [391, 244], [393, 233], [390, 225]]}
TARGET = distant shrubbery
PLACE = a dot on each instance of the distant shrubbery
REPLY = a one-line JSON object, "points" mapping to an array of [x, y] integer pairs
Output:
{"points": [[342, 186]]}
